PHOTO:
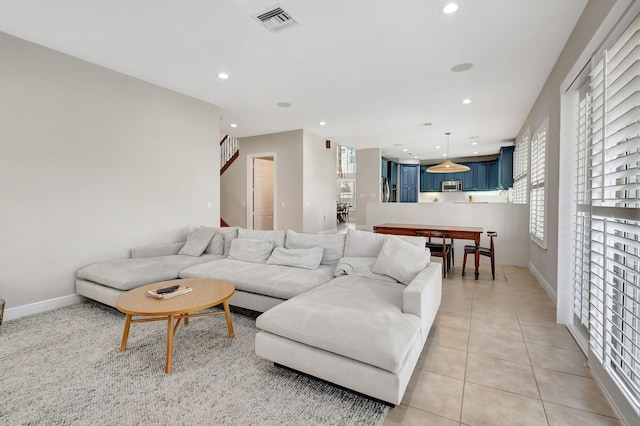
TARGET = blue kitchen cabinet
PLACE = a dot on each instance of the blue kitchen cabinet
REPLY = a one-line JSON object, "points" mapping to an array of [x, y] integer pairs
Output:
{"points": [[493, 175], [505, 166]]}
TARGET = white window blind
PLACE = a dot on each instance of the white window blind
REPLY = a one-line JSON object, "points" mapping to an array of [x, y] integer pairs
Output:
{"points": [[520, 169], [610, 220], [537, 191], [582, 216]]}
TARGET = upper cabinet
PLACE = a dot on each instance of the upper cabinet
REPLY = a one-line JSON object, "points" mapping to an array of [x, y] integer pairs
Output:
{"points": [[505, 166]]}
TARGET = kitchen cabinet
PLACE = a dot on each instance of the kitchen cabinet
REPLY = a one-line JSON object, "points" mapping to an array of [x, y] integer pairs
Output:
{"points": [[409, 183], [493, 175], [482, 176], [505, 167], [393, 181]]}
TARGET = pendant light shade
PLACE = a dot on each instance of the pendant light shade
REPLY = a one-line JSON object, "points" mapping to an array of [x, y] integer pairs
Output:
{"points": [[448, 166]]}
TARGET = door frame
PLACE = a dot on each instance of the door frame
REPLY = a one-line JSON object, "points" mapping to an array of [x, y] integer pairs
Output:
{"points": [[250, 158]]}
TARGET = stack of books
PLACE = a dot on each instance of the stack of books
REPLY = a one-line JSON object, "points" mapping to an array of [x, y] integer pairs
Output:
{"points": [[168, 292]]}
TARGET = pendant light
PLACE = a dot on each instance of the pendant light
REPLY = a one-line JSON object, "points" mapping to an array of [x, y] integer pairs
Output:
{"points": [[448, 166]]}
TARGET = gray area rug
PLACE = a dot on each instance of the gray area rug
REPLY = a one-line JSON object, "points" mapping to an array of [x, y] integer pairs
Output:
{"points": [[64, 367]]}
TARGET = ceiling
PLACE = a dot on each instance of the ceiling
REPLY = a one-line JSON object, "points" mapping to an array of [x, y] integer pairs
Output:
{"points": [[374, 71]]}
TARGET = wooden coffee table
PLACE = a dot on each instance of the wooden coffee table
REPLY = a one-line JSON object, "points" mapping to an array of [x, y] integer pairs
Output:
{"points": [[207, 292]]}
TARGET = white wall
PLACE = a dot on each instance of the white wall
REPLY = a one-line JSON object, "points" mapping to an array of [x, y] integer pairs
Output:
{"points": [[319, 197], [545, 261], [92, 163], [368, 182], [510, 221]]}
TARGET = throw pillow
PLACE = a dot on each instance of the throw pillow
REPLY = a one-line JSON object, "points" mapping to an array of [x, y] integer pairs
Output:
{"points": [[332, 244], [197, 242], [400, 260], [216, 246], [255, 251], [298, 258]]}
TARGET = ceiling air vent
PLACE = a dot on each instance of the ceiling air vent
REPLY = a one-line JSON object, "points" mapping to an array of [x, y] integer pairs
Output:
{"points": [[276, 19]]}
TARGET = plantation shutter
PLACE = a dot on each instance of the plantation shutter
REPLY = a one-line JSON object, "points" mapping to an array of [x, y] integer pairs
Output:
{"points": [[615, 208]]}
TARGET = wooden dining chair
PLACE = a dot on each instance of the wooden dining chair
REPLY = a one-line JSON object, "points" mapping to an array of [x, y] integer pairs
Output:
{"points": [[484, 251], [442, 249]]}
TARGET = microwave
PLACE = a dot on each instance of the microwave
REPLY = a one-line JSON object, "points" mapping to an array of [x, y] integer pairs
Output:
{"points": [[451, 185]]}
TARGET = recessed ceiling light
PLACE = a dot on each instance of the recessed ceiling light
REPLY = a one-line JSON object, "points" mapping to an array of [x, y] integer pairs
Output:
{"points": [[437, 146], [322, 123], [223, 76], [425, 124], [475, 152], [405, 150], [462, 67], [234, 125], [415, 156], [444, 155], [466, 101], [474, 143], [449, 8], [283, 104]]}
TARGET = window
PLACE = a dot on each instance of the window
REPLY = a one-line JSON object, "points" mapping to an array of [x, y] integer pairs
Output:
{"points": [[536, 193], [606, 218], [520, 169], [346, 175]]}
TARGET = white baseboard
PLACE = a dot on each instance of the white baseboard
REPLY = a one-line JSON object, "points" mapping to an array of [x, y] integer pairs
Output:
{"points": [[545, 285], [38, 307]]}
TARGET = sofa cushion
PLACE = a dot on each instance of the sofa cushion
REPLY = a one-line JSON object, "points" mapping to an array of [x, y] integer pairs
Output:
{"points": [[369, 244], [361, 267], [197, 241], [125, 274], [228, 234], [352, 316], [276, 237], [332, 244], [282, 282], [216, 246], [255, 251], [298, 258], [400, 260]]}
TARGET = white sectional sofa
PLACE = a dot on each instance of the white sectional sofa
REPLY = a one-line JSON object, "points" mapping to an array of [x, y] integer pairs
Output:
{"points": [[352, 309]]}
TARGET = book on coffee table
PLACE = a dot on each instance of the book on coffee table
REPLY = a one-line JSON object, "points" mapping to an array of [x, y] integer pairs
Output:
{"points": [[177, 292]]}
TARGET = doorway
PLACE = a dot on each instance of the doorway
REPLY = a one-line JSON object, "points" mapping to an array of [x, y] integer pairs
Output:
{"points": [[261, 193]]}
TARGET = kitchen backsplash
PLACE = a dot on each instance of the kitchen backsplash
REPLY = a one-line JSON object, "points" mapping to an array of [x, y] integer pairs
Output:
{"points": [[463, 197]]}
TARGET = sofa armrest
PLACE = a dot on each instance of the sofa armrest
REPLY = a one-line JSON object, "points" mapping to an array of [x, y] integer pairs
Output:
{"points": [[157, 250], [422, 296]]}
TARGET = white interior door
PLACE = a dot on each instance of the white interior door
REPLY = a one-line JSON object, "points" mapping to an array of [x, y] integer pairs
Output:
{"points": [[263, 193]]}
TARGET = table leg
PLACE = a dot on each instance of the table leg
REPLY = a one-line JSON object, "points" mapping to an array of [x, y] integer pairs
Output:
{"points": [[227, 313], [477, 259], [169, 363], [125, 334]]}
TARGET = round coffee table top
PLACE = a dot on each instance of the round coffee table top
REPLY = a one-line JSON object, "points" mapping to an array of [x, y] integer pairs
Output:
{"points": [[206, 292]]}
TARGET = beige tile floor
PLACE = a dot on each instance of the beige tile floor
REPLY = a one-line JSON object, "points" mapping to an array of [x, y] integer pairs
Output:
{"points": [[495, 356]]}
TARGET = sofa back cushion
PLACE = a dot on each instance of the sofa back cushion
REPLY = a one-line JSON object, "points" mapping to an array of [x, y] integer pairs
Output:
{"points": [[228, 234], [369, 244], [332, 244], [309, 258], [255, 251], [276, 237]]}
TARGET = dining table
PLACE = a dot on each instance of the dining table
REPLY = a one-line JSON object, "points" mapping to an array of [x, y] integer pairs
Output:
{"points": [[447, 231]]}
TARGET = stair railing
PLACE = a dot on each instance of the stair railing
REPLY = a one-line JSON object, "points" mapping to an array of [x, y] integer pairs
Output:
{"points": [[229, 146]]}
